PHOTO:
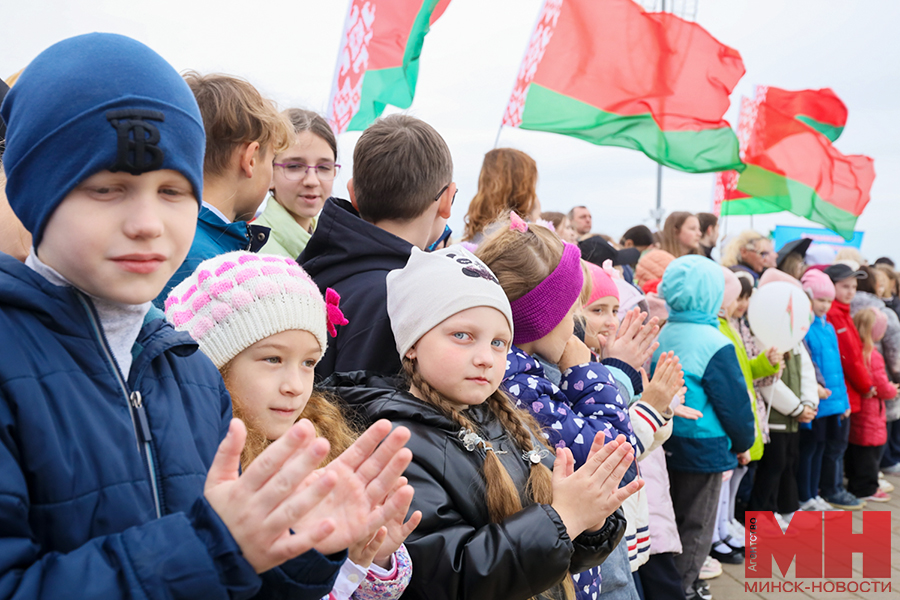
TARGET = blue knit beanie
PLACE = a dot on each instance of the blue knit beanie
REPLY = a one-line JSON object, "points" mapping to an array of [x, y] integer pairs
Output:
{"points": [[91, 103]]}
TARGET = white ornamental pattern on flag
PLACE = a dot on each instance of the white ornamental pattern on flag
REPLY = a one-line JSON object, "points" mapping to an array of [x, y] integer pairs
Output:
{"points": [[543, 31], [354, 60]]}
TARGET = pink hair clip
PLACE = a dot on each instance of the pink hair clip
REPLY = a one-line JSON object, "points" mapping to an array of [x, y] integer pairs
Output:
{"points": [[333, 312], [516, 223]]}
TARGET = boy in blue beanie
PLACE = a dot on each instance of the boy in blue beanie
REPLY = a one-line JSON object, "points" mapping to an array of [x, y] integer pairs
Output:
{"points": [[111, 484]]}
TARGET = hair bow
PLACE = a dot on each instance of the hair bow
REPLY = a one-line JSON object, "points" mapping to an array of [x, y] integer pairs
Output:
{"points": [[333, 314], [516, 223], [610, 270]]}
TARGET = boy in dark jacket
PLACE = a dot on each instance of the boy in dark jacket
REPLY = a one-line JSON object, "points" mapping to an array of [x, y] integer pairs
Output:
{"points": [[111, 484], [400, 197]]}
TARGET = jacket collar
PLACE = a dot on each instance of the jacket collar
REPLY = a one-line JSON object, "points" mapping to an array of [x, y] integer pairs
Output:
{"points": [[240, 234]]}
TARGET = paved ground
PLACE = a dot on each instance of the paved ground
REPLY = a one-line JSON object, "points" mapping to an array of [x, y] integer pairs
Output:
{"points": [[731, 584]]}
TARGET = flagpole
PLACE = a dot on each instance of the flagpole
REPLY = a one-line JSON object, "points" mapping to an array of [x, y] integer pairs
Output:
{"points": [[497, 139], [659, 213]]}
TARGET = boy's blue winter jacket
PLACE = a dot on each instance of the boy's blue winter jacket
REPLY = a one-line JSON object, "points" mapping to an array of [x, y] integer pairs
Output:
{"points": [[823, 349], [693, 287], [101, 489]]}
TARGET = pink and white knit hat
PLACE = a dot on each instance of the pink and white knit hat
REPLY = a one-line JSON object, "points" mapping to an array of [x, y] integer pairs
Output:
{"points": [[232, 301]]}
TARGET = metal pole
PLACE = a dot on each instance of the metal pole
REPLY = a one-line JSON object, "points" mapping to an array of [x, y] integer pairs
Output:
{"points": [[497, 139], [659, 212]]}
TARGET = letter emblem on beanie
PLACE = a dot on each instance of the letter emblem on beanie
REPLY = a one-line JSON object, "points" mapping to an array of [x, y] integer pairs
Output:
{"points": [[136, 138]]}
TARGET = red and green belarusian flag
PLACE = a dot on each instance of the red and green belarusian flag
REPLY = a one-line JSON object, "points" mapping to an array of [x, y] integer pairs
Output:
{"points": [[820, 109], [378, 60], [608, 72], [792, 166]]}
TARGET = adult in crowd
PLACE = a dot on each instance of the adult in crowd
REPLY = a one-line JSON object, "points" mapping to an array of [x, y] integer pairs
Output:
{"points": [[709, 232], [581, 221], [597, 250], [746, 252], [508, 182], [639, 237], [792, 257], [681, 234], [561, 225]]}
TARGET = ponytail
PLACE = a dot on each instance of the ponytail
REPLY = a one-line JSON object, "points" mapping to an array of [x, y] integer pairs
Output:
{"points": [[501, 495]]}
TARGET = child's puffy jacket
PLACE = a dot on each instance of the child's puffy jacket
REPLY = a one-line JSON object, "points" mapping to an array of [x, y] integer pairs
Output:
{"points": [[693, 287], [856, 375], [586, 402], [753, 369], [825, 353], [101, 476], [868, 426]]}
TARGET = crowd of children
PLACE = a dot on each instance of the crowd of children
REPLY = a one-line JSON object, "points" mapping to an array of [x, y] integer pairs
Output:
{"points": [[328, 398]]}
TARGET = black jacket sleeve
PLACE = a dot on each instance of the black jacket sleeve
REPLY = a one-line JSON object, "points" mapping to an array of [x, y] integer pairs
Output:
{"points": [[592, 549]]}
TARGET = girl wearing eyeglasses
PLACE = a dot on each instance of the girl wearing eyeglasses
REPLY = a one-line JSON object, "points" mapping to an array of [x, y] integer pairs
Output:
{"points": [[302, 179]]}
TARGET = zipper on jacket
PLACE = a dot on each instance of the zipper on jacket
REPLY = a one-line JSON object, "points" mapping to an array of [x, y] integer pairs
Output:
{"points": [[135, 404]]}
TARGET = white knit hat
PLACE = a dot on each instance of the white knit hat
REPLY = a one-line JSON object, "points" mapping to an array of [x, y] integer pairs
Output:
{"points": [[434, 286], [234, 300]]}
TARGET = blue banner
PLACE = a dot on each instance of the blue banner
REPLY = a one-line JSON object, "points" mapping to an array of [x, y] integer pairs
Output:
{"points": [[819, 236]]}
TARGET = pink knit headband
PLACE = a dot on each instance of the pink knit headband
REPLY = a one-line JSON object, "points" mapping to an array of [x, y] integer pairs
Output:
{"points": [[536, 313]]}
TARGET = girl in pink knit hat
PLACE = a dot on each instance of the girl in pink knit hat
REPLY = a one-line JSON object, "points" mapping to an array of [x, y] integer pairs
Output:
{"points": [[868, 426], [263, 323]]}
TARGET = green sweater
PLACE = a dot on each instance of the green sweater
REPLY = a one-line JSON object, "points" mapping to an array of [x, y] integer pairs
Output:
{"points": [[287, 238], [756, 368]]}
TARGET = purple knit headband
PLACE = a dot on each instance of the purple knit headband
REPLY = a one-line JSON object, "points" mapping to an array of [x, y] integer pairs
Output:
{"points": [[536, 313]]}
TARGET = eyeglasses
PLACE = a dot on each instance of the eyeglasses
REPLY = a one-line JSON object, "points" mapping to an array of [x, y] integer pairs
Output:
{"points": [[295, 171], [441, 193], [440, 240]]}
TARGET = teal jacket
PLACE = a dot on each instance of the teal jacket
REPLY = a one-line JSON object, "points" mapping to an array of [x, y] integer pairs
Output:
{"points": [[693, 287], [213, 238]]}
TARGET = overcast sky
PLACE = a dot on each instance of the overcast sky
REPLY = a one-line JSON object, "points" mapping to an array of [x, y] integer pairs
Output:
{"points": [[468, 67]]}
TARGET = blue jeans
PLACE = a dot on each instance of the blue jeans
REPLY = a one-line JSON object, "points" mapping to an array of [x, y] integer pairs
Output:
{"points": [[618, 584], [837, 432]]}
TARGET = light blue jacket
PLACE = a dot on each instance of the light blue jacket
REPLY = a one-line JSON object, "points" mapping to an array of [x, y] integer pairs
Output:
{"points": [[693, 287], [824, 351]]}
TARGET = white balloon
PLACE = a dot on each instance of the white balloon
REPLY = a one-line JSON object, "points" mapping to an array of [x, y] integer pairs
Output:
{"points": [[779, 314]]}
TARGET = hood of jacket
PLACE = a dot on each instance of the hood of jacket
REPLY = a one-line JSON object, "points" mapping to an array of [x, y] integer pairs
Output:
{"points": [[344, 245], [694, 286]]}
